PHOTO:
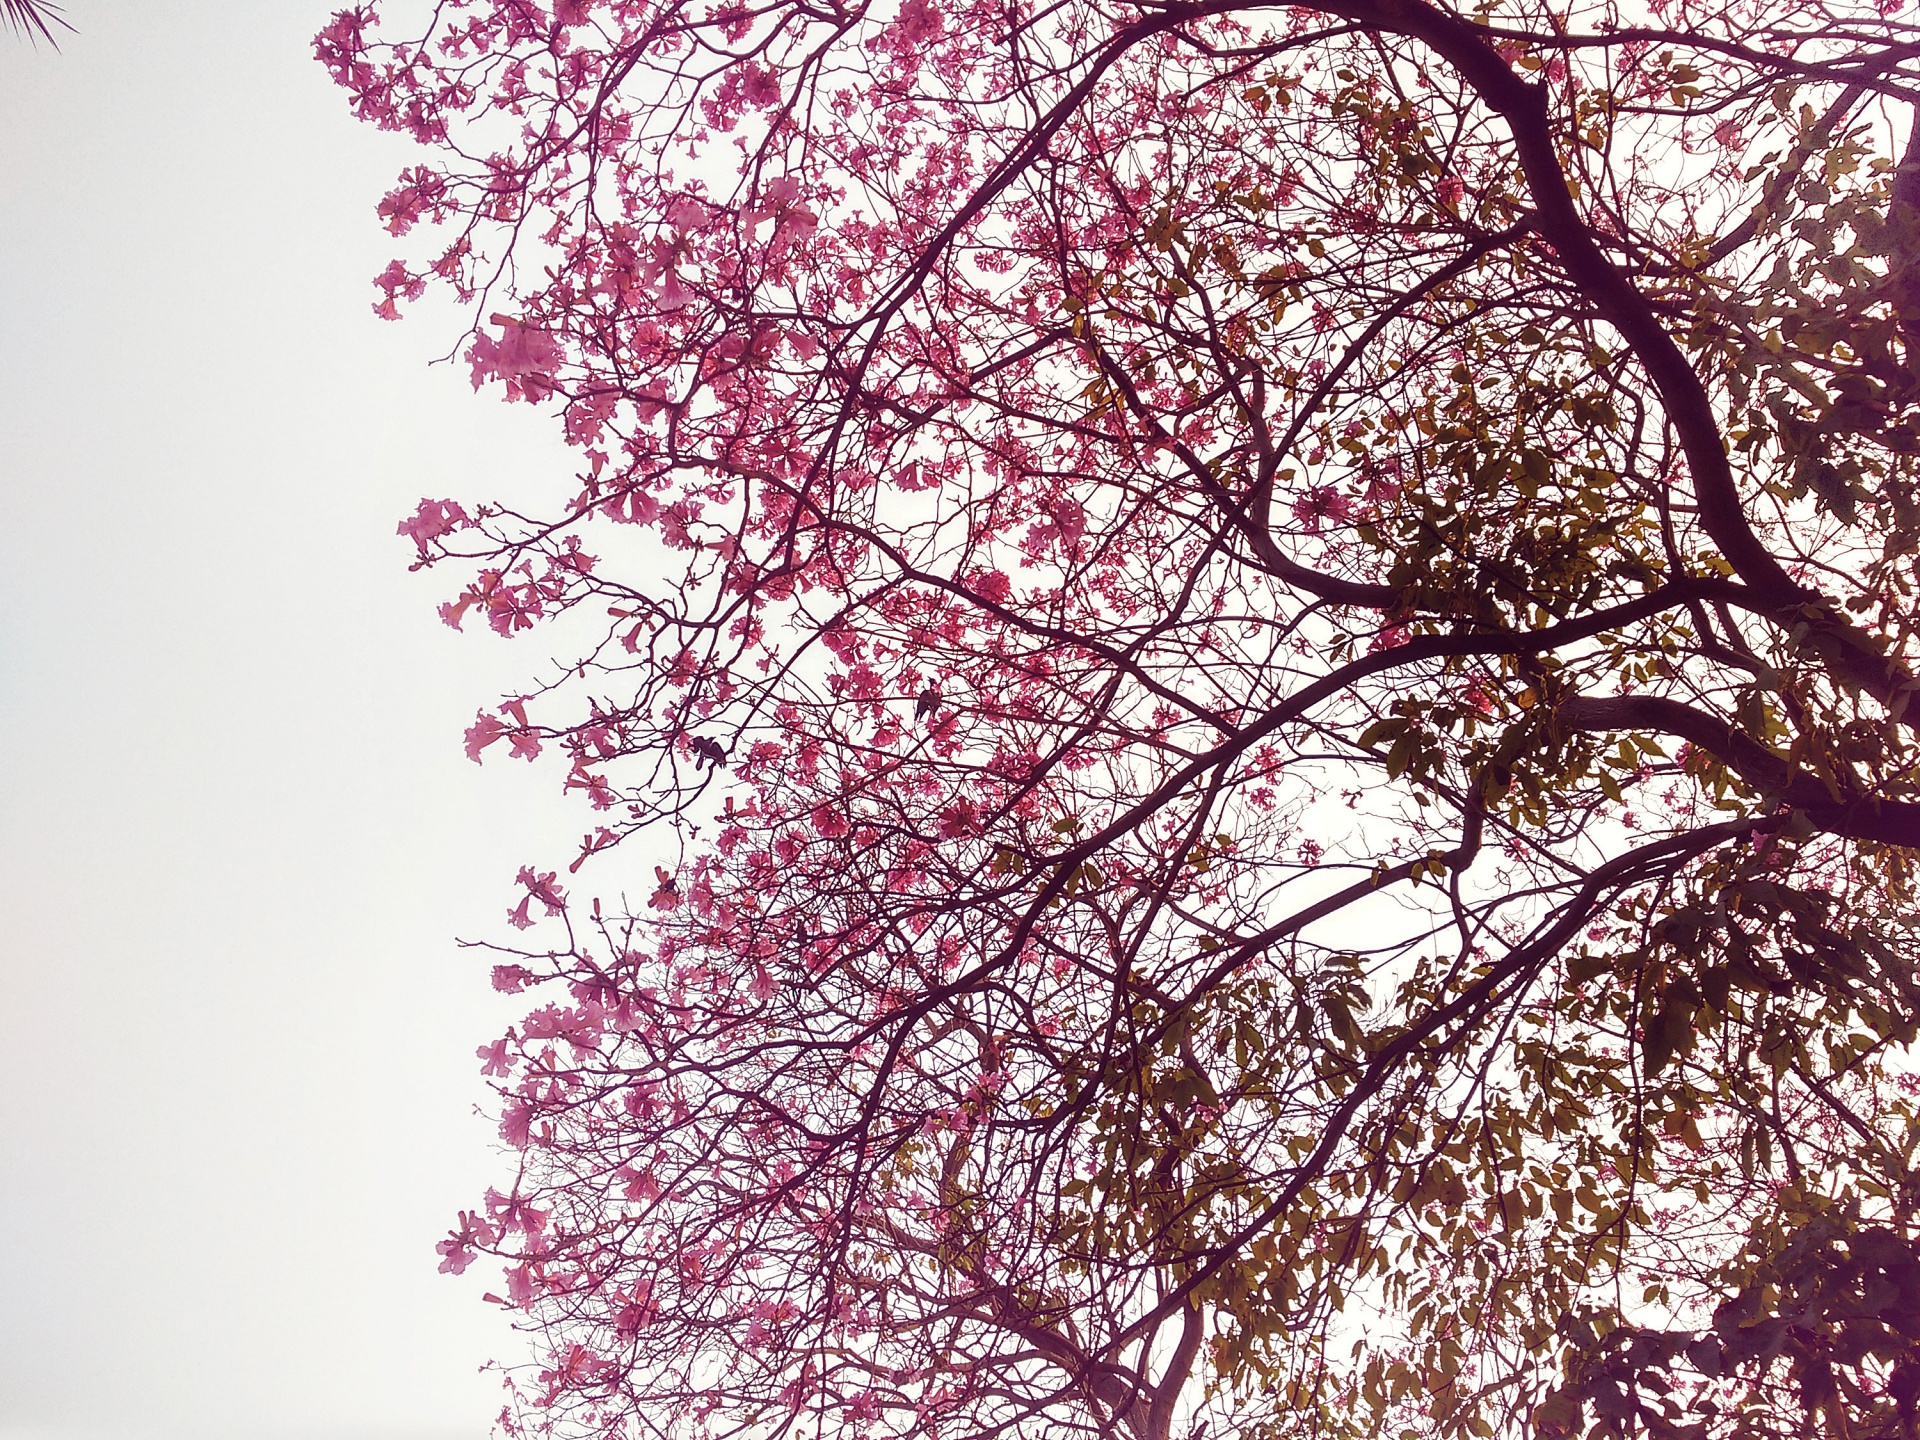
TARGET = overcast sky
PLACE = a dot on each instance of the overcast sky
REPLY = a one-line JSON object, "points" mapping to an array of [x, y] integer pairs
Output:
{"points": [[237, 834]]}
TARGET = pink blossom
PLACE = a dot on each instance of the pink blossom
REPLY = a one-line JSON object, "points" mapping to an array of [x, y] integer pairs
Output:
{"points": [[992, 586], [520, 1288], [759, 86], [512, 608], [403, 206], [587, 417], [1321, 503], [433, 519], [516, 1212], [524, 357], [634, 1317], [399, 283], [687, 213], [1382, 488], [962, 817], [638, 1184], [483, 732], [780, 202], [919, 24], [516, 1124], [1064, 523], [541, 887], [455, 1255]]}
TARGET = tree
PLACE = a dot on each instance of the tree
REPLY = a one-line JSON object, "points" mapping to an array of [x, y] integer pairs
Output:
{"points": [[1273, 651]]}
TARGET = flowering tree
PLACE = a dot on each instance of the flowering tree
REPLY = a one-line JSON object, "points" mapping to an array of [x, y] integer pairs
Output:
{"points": [[1272, 650]]}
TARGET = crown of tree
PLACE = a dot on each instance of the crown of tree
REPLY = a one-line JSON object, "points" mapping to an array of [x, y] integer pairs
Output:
{"points": [[1269, 655]]}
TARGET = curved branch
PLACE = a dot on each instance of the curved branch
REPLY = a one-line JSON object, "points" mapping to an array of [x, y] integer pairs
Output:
{"points": [[1856, 816], [1517, 968], [1523, 105]]}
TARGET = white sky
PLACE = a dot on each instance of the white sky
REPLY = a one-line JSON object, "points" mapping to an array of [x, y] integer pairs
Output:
{"points": [[237, 834]]}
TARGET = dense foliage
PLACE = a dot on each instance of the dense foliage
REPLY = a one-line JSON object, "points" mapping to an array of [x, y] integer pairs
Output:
{"points": [[1271, 648]]}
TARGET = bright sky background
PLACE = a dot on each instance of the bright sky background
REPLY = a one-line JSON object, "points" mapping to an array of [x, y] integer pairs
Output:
{"points": [[237, 834]]}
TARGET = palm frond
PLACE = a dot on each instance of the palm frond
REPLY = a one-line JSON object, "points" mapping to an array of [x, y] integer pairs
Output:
{"points": [[34, 19]]}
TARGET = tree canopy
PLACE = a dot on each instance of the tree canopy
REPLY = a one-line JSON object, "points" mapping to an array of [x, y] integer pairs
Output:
{"points": [[1269, 653]]}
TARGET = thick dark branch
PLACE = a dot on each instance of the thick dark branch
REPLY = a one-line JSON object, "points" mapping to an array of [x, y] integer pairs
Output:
{"points": [[1259, 504], [1524, 106], [1856, 816], [1179, 1364], [1906, 209]]}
